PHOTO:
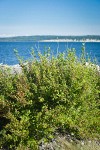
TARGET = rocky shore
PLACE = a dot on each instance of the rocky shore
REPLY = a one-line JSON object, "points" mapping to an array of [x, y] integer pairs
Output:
{"points": [[69, 142], [13, 69]]}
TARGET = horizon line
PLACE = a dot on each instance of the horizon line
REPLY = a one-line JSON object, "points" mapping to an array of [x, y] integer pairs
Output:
{"points": [[9, 36]]}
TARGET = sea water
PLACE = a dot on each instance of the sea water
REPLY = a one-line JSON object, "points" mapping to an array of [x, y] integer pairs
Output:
{"points": [[8, 56]]}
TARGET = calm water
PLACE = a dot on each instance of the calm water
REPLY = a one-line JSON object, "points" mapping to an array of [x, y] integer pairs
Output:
{"points": [[7, 55]]}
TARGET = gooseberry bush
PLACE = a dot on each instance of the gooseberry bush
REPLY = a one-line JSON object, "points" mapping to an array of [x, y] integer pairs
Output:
{"points": [[52, 94]]}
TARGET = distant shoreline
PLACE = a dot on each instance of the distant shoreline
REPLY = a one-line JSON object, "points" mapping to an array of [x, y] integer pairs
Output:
{"points": [[60, 40], [52, 38], [69, 40]]}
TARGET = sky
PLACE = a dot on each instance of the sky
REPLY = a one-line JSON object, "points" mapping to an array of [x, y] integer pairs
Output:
{"points": [[49, 17]]}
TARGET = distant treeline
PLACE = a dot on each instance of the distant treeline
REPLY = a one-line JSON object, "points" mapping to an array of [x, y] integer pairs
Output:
{"points": [[49, 37]]}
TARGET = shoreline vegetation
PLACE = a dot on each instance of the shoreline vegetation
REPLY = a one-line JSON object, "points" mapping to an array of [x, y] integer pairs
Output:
{"points": [[53, 103], [17, 69]]}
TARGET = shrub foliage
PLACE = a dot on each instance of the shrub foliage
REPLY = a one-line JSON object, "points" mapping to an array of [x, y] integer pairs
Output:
{"points": [[52, 94]]}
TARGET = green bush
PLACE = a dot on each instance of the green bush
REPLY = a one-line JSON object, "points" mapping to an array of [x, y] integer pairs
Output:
{"points": [[52, 94]]}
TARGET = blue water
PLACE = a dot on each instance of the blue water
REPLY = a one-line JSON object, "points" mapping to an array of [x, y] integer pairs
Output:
{"points": [[7, 55]]}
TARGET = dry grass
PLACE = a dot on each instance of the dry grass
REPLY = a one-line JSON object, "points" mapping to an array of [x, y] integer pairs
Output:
{"points": [[63, 144]]}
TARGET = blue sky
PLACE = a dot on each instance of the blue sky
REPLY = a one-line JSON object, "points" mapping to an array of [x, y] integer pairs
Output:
{"points": [[49, 17]]}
